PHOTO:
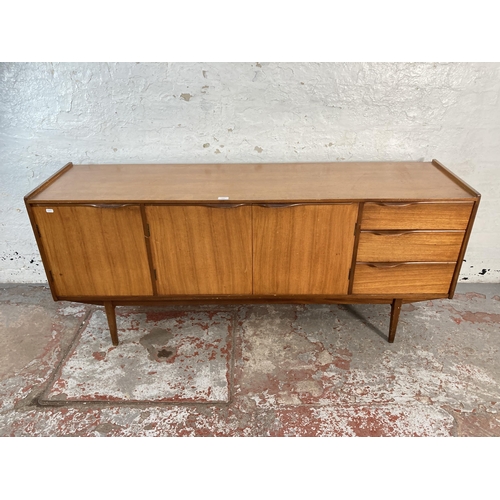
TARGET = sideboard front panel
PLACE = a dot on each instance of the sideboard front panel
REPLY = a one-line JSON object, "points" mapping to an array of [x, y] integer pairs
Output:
{"points": [[409, 246], [201, 250], [402, 278], [416, 215], [303, 248], [95, 250]]}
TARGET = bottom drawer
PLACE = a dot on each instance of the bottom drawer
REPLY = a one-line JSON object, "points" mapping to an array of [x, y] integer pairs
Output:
{"points": [[402, 278]]}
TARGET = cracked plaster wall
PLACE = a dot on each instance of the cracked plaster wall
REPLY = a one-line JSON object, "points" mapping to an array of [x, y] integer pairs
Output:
{"points": [[246, 112]]}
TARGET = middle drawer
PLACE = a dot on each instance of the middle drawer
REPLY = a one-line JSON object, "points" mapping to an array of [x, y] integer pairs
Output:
{"points": [[409, 246]]}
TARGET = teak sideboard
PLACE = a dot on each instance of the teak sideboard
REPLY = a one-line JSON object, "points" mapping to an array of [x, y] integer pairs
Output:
{"points": [[350, 232]]}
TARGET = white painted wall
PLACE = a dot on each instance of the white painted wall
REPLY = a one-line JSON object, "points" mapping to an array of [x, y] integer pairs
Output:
{"points": [[246, 112]]}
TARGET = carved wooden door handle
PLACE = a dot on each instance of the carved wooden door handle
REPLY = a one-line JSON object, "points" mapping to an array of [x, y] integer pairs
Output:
{"points": [[385, 265], [395, 205], [109, 205]]}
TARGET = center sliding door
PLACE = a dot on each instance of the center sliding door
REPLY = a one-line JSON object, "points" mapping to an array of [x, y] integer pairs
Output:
{"points": [[201, 250]]}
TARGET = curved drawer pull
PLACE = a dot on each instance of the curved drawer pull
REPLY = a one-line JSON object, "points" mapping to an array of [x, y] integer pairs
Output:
{"points": [[396, 205], [219, 205], [389, 233], [279, 205], [287, 205], [384, 265], [108, 205]]}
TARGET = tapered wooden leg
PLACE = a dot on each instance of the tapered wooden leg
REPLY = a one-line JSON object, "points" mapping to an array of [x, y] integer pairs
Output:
{"points": [[110, 313], [395, 310]]}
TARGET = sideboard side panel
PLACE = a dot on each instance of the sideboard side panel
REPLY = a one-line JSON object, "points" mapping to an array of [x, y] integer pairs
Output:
{"points": [[464, 247], [303, 249]]}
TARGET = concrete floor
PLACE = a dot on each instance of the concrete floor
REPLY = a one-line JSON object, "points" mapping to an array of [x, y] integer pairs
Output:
{"points": [[282, 370]]}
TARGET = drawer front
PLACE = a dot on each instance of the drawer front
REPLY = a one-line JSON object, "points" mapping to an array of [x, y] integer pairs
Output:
{"points": [[402, 278], [413, 246], [416, 215]]}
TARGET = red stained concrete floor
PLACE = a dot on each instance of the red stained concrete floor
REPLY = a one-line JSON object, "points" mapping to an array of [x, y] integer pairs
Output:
{"points": [[255, 370]]}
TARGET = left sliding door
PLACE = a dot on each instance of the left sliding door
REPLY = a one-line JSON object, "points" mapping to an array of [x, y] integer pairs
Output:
{"points": [[95, 250]]}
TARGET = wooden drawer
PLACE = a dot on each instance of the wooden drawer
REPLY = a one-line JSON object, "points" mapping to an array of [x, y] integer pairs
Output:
{"points": [[409, 246], [416, 215], [402, 278]]}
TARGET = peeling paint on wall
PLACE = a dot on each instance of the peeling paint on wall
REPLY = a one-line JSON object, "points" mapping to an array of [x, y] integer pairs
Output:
{"points": [[52, 113]]}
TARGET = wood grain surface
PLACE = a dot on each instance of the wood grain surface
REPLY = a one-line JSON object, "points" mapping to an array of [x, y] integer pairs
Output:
{"points": [[236, 233], [201, 250], [95, 251], [403, 278], [416, 216], [418, 246], [303, 249], [253, 182]]}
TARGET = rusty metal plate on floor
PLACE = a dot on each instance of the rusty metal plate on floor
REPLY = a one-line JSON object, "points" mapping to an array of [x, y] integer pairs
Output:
{"points": [[169, 356]]}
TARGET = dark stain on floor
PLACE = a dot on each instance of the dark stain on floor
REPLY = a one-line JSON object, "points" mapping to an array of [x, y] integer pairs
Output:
{"points": [[155, 343]]}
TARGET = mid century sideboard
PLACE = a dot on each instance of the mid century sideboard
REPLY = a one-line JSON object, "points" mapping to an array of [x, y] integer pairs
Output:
{"points": [[350, 232]]}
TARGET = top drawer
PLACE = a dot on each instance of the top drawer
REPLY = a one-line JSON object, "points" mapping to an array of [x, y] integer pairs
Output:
{"points": [[417, 215]]}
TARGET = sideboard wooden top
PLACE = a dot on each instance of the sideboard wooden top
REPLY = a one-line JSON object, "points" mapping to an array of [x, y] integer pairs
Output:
{"points": [[254, 182]]}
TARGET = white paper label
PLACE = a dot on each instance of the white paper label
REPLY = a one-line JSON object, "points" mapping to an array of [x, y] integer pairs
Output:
{"points": [[223, 198], [49, 210]]}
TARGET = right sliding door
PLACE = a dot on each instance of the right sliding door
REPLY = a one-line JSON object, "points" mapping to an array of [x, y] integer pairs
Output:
{"points": [[303, 249]]}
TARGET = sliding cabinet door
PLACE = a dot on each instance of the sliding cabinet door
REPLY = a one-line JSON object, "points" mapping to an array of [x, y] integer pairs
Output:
{"points": [[95, 250], [201, 250], [303, 249]]}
